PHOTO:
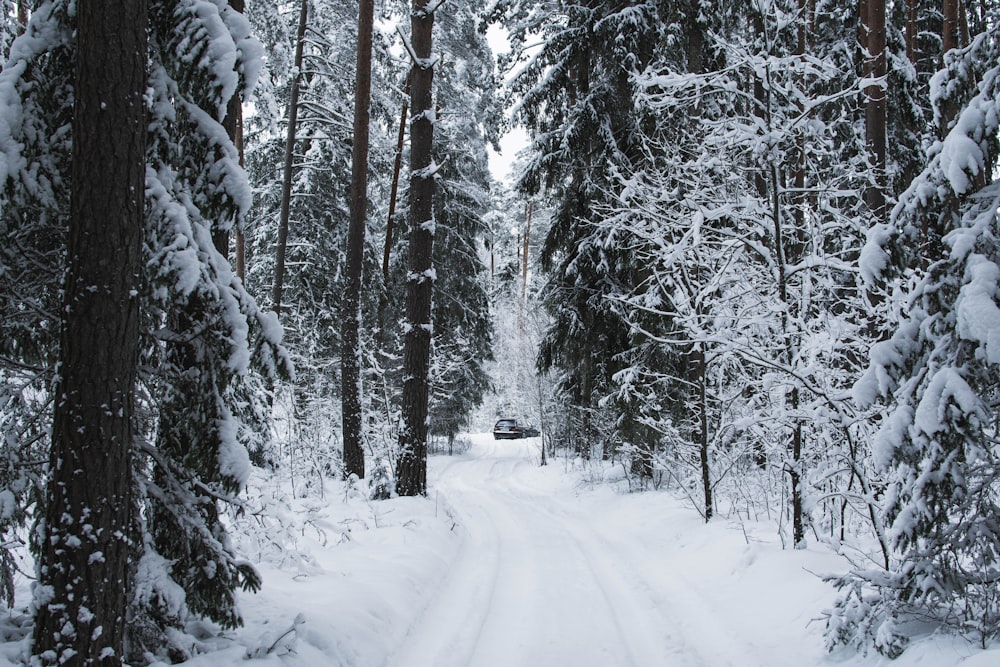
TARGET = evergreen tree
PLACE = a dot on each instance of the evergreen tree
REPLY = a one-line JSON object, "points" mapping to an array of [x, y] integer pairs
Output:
{"points": [[914, 49], [199, 395], [35, 87], [83, 566], [938, 376], [411, 466], [319, 212], [466, 117], [207, 406], [350, 356], [574, 95]]}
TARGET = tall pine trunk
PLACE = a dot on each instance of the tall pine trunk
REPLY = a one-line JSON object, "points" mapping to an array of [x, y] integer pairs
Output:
{"points": [[85, 537], [875, 104], [233, 123], [286, 176], [950, 33], [411, 467], [350, 352]]}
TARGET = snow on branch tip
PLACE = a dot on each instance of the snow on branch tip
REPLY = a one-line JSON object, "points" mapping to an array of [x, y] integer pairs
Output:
{"points": [[421, 63], [424, 12]]}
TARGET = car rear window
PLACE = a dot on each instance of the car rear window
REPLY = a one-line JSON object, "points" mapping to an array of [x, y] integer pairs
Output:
{"points": [[505, 423]]}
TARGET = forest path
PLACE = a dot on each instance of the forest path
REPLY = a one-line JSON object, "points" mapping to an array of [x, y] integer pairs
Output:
{"points": [[537, 582]]}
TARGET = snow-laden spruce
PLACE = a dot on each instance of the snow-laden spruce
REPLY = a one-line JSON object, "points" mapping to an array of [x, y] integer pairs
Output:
{"points": [[205, 343], [937, 377]]}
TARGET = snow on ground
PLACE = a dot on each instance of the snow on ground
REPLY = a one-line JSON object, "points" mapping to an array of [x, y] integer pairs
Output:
{"points": [[506, 564]]}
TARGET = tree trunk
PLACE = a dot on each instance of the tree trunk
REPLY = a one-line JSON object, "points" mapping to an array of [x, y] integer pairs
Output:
{"points": [[286, 177], [703, 437], [775, 196], [875, 106], [22, 16], [241, 242], [350, 351], [911, 31], [524, 266], [232, 123], [949, 41], [88, 528], [390, 223], [394, 190], [795, 476], [411, 467], [585, 444], [236, 135], [963, 24]]}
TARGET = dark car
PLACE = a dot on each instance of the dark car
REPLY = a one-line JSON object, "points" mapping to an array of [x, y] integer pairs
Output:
{"points": [[509, 429]]}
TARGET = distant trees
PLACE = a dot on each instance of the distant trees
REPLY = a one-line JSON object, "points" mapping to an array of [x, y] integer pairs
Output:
{"points": [[575, 95], [314, 288], [711, 228], [465, 120]]}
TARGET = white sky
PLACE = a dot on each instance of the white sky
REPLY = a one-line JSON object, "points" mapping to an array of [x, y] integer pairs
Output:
{"points": [[510, 144], [517, 138]]}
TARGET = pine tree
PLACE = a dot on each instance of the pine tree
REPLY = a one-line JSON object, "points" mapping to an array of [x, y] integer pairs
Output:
{"points": [[465, 118], [198, 391], [207, 404], [314, 286], [411, 466], [34, 208], [574, 94], [937, 376], [350, 355], [84, 538]]}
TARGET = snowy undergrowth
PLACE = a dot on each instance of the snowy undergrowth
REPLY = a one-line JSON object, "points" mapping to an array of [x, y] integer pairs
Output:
{"points": [[343, 576], [741, 590], [347, 580]]}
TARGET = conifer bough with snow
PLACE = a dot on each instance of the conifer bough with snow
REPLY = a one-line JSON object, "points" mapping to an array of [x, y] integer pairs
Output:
{"points": [[749, 259]]}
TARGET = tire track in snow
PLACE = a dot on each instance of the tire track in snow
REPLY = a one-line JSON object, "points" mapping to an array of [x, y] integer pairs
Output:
{"points": [[449, 627], [645, 630], [534, 585], [630, 564]]}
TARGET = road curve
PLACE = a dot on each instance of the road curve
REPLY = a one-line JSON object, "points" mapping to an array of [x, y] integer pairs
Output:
{"points": [[535, 583]]}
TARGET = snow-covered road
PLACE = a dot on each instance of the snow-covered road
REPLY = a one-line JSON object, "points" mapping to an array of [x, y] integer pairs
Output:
{"points": [[509, 564], [538, 582]]}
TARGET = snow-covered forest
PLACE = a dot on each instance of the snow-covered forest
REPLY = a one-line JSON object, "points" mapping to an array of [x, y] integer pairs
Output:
{"points": [[262, 299]]}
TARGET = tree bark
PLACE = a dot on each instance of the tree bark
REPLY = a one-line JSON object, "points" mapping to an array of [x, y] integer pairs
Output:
{"points": [[701, 360], [411, 467], [911, 31], [394, 190], [286, 177], [390, 222], [875, 106], [22, 16], [241, 242], [350, 352], [524, 265], [88, 527], [233, 123], [949, 40]]}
